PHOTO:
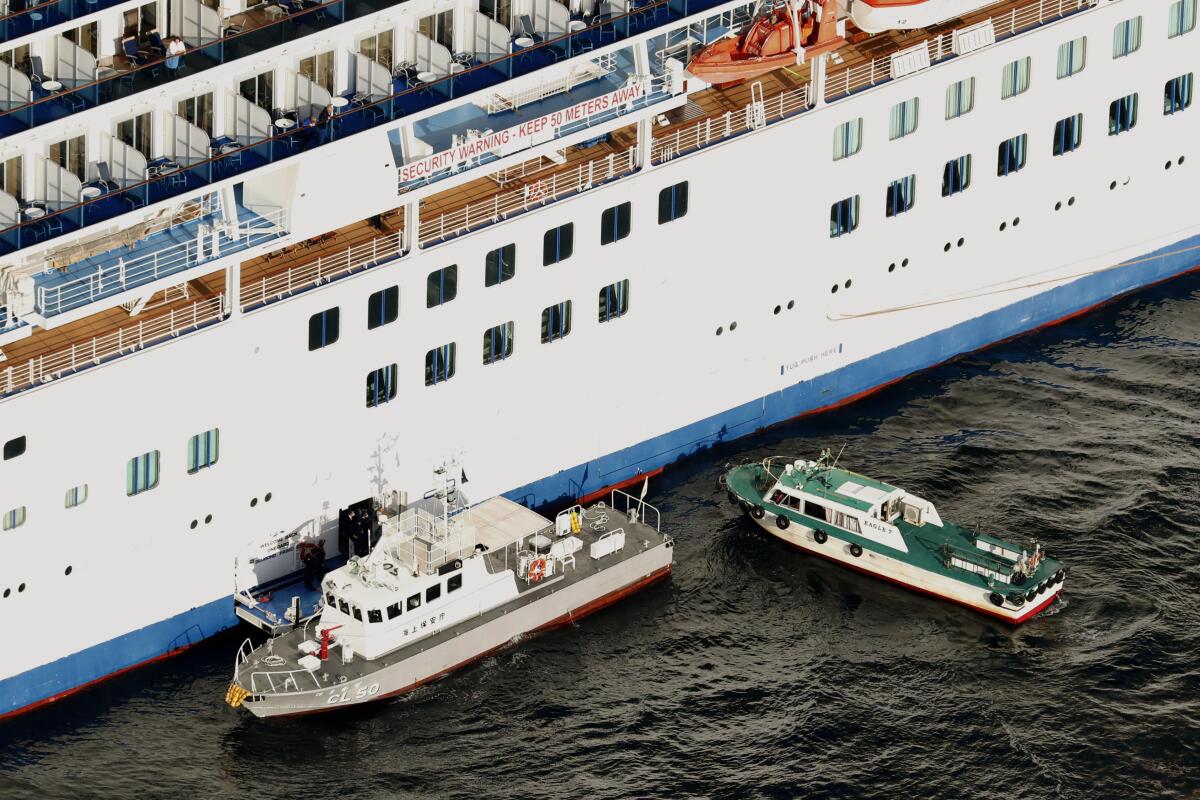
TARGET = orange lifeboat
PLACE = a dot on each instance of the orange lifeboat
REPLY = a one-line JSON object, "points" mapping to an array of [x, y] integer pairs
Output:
{"points": [[764, 46]]}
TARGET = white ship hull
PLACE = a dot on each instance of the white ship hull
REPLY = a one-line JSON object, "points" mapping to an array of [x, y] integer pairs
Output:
{"points": [[293, 422]]}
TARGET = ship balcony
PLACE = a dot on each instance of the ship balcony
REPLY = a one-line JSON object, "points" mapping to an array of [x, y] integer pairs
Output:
{"points": [[261, 142], [175, 242]]}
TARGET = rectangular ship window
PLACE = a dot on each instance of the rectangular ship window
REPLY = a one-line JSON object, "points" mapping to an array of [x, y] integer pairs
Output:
{"points": [[14, 518], [76, 495], [433, 592], [1014, 79], [141, 473], [843, 217], [1072, 57], [393, 610], [672, 203], [1068, 134], [383, 307], [374, 615], [324, 327], [202, 450], [558, 244], [1122, 114], [903, 118], [901, 195], [414, 601], [498, 343], [847, 139], [14, 447], [453, 583], [1181, 18], [381, 385], [440, 364], [1011, 155], [960, 98], [500, 265], [614, 300], [1127, 37], [441, 286], [614, 223], [1177, 95], [956, 176], [556, 321]]}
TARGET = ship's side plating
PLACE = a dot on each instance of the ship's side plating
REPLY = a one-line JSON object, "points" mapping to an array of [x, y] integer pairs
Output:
{"points": [[611, 399]]}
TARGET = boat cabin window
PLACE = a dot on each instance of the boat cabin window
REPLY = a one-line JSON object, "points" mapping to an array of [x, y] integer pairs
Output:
{"points": [[815, 511], [844, 521], [414, 601], [343, 606], [912, 514], [453, 582], [374, 615], [356, 612], [433, 592], [393, 610], [330, 600]]}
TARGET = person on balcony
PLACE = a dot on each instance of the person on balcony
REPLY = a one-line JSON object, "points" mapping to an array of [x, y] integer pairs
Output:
{"points": [[175, 50]]}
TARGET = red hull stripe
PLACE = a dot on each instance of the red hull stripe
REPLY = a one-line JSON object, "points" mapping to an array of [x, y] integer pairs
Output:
{"points": [[926, 592], [558, 622], [90, 684], [599, 493]]}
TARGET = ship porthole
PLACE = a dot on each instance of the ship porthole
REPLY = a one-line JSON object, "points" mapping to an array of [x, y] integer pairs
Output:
{"points": [[1058, 206], [834, 289], [733, 326], [791, 304], [892, 267], [68, 570], [267, 497], [856, 550], [847, 284], [1179, 161], [7, 592], [1112, 186], [21, 588], [253, 502], [720, 331], [1003, 225], [1071, 200], [961, 241], [194, 524], [778, 309], [1016, 221], [207, 518], [904, 263], [946, 248]]}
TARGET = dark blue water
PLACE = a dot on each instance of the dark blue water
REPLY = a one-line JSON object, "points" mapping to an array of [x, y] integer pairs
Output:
{"points": [[758, 672]]}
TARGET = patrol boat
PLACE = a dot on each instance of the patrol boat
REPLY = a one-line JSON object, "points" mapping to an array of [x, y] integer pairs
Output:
{"points": [[889, 533], [445, 585]]}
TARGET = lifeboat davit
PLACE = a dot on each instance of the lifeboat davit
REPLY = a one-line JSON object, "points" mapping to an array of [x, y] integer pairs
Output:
{"points": [[875, 16], [766, 45]]}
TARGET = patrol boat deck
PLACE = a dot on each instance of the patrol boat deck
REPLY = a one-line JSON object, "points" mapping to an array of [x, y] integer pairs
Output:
{"points": [[436, 594]]}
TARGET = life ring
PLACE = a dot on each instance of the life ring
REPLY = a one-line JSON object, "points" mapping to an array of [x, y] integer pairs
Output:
{"points": [[820, 536], [1016, 598], [996, 599], [758, 512], [537, 570], [856, 549], [781, 522]]}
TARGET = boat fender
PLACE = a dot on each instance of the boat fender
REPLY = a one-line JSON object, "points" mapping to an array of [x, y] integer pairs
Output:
{"points": [[1043, 586], [1018, 579], [537, 569], [1031, 594], [1016, 598], [758, 512], [856, 550], [820, 536], [781, 522], [733, 498], [996, 599], [744, 506], [1059, 576]]}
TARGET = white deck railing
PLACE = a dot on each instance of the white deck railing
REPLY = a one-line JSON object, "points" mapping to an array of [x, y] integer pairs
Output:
{"points": [[128, 274], [130, 338], [729, 124], [325, 268], [1015, 20], [501, 205]]}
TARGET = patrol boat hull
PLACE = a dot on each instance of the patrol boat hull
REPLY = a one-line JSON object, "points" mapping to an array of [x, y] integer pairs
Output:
{"points": [[556, 603]]}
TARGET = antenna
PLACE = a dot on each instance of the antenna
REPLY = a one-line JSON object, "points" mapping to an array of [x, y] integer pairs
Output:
{"points": [[839, 456]]}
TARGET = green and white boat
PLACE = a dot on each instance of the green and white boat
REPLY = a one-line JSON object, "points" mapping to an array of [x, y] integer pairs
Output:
{"points": [[884, 531]]}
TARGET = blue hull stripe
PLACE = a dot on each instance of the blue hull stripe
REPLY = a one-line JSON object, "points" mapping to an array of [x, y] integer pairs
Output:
{"points": [[94, 663]]}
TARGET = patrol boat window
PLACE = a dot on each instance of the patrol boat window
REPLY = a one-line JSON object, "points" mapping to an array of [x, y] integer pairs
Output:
{"points": [[344, 606], [357, 613], [813, 510], [414, 601], [453, 582], [330, 599], [393, 610], [433, 592], [374, 615]]}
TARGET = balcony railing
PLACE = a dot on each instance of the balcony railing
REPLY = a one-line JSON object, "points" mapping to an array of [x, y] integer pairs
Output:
{"points": [[503, 205], [270, 288], [1013, 21], [355, 119], [129, 274], [729, 124], [99, 349]]}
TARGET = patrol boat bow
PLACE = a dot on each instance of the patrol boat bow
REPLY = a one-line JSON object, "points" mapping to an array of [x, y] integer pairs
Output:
{"points": [[444, 586], [892, 534]]}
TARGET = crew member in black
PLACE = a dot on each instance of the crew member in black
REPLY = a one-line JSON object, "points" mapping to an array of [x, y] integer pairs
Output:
{"points": [[312, 555]]}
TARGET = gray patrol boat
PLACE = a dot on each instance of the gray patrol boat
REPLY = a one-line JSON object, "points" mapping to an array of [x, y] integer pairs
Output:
{"points": [[445, 585]]}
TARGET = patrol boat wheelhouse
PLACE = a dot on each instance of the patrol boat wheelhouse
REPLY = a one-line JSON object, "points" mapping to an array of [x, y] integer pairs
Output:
{"points": [[889, 533], [444, 586]]}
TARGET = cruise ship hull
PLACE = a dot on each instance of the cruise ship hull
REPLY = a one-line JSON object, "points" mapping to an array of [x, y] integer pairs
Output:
{"points": [[821, 321]]}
